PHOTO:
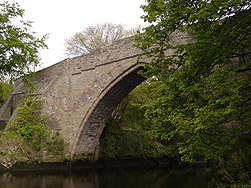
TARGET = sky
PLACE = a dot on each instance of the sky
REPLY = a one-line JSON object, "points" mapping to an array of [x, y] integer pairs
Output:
{"points": [[62, 18]]}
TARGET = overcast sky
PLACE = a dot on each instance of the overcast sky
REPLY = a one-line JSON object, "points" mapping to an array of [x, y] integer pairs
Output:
{"points": [[62, 18]]}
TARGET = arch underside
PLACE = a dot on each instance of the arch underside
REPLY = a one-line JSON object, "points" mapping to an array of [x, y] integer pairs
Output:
{"points": [[88, 141]]}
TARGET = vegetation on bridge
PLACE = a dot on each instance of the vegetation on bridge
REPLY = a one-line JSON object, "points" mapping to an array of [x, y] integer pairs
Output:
{"points": [[27, 135]]}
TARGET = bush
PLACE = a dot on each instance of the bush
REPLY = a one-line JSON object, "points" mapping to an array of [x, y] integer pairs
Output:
{"points": [[30, 124]]}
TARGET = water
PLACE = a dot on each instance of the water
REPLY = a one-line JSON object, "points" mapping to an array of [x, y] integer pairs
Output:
{"points": [[116, 178]]}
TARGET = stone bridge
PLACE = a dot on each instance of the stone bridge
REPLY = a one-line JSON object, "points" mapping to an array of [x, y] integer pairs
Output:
{"points": [[81, 93]]}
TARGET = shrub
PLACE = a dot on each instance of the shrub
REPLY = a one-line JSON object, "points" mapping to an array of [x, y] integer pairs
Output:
{"points": [[30, 124]]}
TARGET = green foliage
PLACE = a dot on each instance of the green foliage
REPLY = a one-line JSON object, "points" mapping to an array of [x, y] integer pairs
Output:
{"points": [[117, 142], [203, 103], [18, 45], [56, 144], [128, 134], [6, 89], [30, 124]]}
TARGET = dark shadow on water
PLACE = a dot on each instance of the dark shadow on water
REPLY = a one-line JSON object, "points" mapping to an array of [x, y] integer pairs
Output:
{"points": [[110, 178]]}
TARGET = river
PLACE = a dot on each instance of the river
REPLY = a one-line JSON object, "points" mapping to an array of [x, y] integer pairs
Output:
{"points": [[110, 178]]}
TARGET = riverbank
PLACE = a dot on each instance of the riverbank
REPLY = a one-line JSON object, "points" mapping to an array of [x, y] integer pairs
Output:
{"points": [[18, 154], [87, 164], [133, 163]]}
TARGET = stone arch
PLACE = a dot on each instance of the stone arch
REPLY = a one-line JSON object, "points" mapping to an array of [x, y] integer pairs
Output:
{"points": [[87, 140]]}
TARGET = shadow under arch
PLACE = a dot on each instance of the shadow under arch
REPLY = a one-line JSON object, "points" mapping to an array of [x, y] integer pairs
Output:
{"points": [[87, 140]]}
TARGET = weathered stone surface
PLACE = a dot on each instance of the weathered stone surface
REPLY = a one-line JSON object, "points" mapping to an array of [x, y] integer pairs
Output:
{"points": [[81, 93]]}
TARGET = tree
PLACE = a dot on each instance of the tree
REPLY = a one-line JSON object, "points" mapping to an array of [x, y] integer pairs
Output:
{"points": [[96, 36], [18, 45], [203, 103]]}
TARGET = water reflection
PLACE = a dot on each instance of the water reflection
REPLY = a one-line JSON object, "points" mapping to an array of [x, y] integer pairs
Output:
{"points": [[122, 178]]}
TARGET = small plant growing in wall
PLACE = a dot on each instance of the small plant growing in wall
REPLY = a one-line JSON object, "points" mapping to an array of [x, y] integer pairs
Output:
{"points": [[30, 124], [56, 144]]}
